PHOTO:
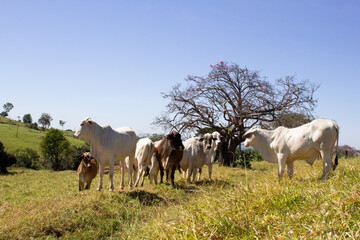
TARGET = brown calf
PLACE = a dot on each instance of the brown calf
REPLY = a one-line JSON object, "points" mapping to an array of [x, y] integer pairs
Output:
{"points": [[87, 170]]}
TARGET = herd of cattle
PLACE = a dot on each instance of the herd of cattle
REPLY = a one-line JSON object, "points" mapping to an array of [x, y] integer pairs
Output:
{"points": [[282, 145]]}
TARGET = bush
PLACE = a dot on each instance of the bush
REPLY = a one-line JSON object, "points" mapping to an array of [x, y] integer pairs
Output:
{"points": [[6, 160], [246, 157], [73, 159], [56, 149], [28, 158], [33, 126]]}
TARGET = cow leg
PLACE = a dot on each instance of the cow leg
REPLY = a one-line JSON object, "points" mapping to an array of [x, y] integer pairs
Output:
{"points": [[173, 176], [327, 163], [200, 171], [194, 174], [139, 173], [130, 169], [88, 184], [190, 171], [111, 174], [184, 173], [290, 169], [281, 161], [210, 171], [122, 162], [154, 169], [143, 177], [101, 173], [81, 185], [161, 175]]}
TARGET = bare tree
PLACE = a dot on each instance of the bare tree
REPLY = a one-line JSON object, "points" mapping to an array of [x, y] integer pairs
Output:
{"points": [[230, 99]]}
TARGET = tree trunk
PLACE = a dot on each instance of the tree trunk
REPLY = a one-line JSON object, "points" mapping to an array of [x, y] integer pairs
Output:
{"points": [[227, 152]]}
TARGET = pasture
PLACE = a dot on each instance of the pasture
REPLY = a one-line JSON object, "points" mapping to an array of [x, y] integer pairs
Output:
{"points": [[237, 204], [15, 135]]}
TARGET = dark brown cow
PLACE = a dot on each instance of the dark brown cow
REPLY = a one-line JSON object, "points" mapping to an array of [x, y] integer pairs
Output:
{"points": [[87, 170], [161, 158]]}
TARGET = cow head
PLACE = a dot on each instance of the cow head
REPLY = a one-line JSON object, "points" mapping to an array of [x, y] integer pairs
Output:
{"points": [[83, 129], [86, 159], [174, 139], [249, 136], [207, 140], [218, 139]]}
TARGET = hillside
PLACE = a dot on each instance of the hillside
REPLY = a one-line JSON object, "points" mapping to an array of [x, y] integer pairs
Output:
{"points": [[238, 204], [15, 135]]}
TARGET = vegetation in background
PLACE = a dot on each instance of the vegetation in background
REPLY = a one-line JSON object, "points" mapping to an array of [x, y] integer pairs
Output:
{"points": [[45, 120], [28, 158], [55, 149], [27, 118], [7, 108]]}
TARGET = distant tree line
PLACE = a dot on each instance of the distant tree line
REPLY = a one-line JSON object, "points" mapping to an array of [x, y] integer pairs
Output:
{"points": [[44, 120]]}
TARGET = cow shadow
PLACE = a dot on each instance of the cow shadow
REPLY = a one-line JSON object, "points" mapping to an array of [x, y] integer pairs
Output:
{"points": [[145, 198]]}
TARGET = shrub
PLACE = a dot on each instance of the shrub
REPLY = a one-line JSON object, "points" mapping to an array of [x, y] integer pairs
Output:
{"points": [[33, 126], [73, 160], [28, 158], [246, 157], [56, 149]]}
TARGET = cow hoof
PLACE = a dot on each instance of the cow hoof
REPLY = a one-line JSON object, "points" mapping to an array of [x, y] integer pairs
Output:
{"points": [[111, 190], [98, 189]]}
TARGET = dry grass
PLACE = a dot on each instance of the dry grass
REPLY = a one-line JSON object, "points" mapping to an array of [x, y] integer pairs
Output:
{"points": [[238, 204]]}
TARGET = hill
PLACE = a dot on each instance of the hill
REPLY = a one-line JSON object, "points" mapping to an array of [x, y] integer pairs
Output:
{"points": [[238, 204], [16, 135]]}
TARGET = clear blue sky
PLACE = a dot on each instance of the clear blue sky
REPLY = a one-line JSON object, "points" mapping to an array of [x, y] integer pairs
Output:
{"points": [[109, 60]]}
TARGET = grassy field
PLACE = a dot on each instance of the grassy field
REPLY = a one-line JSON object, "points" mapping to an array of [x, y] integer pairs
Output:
{"points": [[15, 135], [237, 204]]}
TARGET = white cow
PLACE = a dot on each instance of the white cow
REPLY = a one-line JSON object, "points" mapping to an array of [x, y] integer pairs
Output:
{"points": [[307, 142], [144, 151], [210, 156], [195, 152], [109, 145]]}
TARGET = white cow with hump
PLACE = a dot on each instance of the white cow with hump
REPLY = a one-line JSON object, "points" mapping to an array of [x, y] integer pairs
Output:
{"points": [[307, 142], [109, 146]]}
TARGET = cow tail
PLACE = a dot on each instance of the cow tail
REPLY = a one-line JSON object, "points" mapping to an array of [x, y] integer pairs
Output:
{"points": [[336, 161]]}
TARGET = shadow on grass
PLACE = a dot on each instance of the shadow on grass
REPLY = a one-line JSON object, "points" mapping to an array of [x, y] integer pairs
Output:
{"points": [[145, 198], [7, 173]]}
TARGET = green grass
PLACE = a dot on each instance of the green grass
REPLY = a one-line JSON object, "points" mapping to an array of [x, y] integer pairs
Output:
{"points": [[15, 135], [238, 204]]}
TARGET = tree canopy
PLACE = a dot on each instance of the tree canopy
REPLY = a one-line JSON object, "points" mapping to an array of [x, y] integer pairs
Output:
{"points": [[7, 108], [55, 148], [45, 120]]}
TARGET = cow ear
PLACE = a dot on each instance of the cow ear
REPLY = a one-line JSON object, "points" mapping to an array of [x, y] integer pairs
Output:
{"points": [[90, 121], [201, 139]]}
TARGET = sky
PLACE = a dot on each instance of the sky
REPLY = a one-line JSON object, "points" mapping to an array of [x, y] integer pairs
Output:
{"points": [[111, 60]]}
